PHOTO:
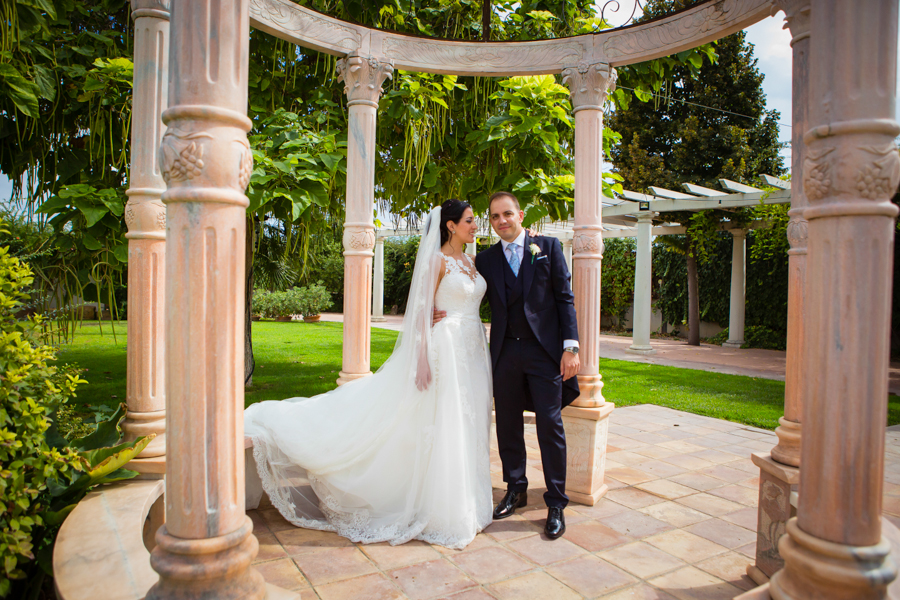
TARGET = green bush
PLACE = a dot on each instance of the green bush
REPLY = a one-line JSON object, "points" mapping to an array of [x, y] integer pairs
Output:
{"points": [[307, 301], [311, 300], [755, 336], [30, 391], [43, 475], [617, 276]]}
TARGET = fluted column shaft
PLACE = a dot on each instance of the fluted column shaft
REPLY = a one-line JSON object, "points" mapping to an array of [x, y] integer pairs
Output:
{"points": [[787, 451], [834, 547], [640, 332], [206, 546], [589, 86], [362, 77], [378, 282], [145, 216], [738, 299]]}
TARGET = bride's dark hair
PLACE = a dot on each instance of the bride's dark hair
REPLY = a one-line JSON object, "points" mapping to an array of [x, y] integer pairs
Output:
{"points": [[451, 210]]}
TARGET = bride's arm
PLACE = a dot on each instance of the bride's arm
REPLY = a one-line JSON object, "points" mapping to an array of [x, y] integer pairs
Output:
{"points": [[423, 370]]}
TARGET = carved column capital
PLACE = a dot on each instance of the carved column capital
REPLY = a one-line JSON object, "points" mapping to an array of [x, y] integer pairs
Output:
{"points": [[359, 239], [588, 242], [851, 167], [797, 232], [363, 77], [159, 9], [645, 217], [145, 215], [796, 17], [199, 151], [738, 233], [589, 84]]}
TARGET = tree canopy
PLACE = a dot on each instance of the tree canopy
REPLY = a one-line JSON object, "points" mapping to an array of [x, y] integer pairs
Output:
{"points": [[699, 128]]}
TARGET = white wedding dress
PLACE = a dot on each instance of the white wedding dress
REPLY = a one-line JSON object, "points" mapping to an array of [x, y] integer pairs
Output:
{"points": [[377, 459]]}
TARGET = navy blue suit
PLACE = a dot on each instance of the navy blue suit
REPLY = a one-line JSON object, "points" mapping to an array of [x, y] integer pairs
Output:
{"points": [[531, 316]]}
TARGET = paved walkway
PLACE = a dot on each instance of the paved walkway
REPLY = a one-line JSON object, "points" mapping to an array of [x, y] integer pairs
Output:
{"points": [[679, 521], [752, 362]]}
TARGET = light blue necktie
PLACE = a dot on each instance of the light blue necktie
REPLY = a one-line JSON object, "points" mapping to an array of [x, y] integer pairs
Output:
{"points": [[514, 258]]}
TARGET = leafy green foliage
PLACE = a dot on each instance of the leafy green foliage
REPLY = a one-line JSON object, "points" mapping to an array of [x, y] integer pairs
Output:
{"points": [[766, 281], [30, 389], [617, 276], [307, 301]]}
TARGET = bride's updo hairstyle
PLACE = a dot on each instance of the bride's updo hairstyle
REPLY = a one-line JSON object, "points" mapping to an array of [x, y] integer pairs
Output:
{"points": [[451, 210]]}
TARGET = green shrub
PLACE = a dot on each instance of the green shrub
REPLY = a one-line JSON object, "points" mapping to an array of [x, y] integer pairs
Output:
{"points": [[755, 336], [311, 300], [30, 390], [43, 475]]}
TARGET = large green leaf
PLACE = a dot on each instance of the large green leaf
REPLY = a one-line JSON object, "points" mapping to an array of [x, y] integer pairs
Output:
{"points": [[106, 434], [22, 92]]}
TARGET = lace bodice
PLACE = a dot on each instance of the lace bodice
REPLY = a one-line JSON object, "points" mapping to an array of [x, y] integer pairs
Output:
{"points": [[461, 289]]}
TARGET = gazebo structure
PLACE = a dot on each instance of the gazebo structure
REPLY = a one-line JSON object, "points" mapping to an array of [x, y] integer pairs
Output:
{"points": [[186, 219]]}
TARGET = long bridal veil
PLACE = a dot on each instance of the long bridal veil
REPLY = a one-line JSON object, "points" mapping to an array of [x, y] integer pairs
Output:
{"points": [[354, 460]]}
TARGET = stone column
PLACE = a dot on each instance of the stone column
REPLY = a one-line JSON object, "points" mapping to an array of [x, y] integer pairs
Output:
{"points": [[567, 251], [378, 283], [145, 216], [834, 548], [362, 77], [779, 475], [643, 284], [206, 546], [472, 249], [788, 449], [589, 85], [587, 420], [738, 286]]}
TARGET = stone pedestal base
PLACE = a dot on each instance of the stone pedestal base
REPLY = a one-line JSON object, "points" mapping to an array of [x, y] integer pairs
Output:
{"points": [[348, 377], [586, 433], [776, 482], [733, 344], [217, 567], [817, 568], [591, 387], [640, 350], [788, 449], [378, 319]]}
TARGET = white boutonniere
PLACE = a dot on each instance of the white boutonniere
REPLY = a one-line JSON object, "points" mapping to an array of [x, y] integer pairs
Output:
{"points": [[535, 250]]}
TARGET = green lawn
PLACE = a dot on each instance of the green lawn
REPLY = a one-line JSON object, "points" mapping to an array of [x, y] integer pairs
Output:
{"points": [[302, 359]]}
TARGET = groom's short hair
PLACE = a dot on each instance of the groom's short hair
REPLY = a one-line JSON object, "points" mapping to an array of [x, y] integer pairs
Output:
{"points": [[497, 195]]}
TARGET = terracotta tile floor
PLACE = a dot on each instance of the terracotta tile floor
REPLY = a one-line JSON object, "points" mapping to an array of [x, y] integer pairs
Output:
{"points": [[679, 521]]}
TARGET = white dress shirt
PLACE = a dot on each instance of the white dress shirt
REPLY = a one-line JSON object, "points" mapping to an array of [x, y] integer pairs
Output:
{"points": [[520, 250]]}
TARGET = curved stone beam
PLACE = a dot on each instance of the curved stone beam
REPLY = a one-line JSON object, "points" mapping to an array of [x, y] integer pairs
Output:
{"points": [[637, 43]]}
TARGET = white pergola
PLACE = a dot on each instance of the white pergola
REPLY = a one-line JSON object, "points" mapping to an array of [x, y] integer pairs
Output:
{"points": [[186, 219], [632, 215]]}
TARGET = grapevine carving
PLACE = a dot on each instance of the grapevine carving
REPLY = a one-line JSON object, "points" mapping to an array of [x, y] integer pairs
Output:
{"points": [[181, 155]]}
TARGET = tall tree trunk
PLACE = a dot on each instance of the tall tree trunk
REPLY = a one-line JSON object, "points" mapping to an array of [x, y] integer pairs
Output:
{"points": [[693, 297], [249, 363], [486, 21]]}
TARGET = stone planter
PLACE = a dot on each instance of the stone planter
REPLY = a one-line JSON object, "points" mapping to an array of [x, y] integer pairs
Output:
{"points": [[284, 319], [312, 319]]}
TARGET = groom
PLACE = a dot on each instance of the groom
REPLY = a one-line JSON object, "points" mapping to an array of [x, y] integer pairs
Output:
{"points": [[534, 352]]}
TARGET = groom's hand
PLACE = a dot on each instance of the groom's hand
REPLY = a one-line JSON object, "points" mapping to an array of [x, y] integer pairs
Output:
{"points": [[438, 315], [569, 365]]}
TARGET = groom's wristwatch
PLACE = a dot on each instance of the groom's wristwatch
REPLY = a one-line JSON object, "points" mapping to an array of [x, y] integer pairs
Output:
{"points": [[572, 349]]}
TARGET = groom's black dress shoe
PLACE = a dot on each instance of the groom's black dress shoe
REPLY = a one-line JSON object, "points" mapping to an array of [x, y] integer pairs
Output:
{"points": [[510, 502], [556, 523]]}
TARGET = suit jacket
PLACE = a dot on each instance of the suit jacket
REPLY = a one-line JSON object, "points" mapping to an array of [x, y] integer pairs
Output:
{"points": [[549, 302]]}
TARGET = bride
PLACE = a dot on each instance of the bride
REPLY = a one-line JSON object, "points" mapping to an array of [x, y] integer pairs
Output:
{"points": [[403, 454]]}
